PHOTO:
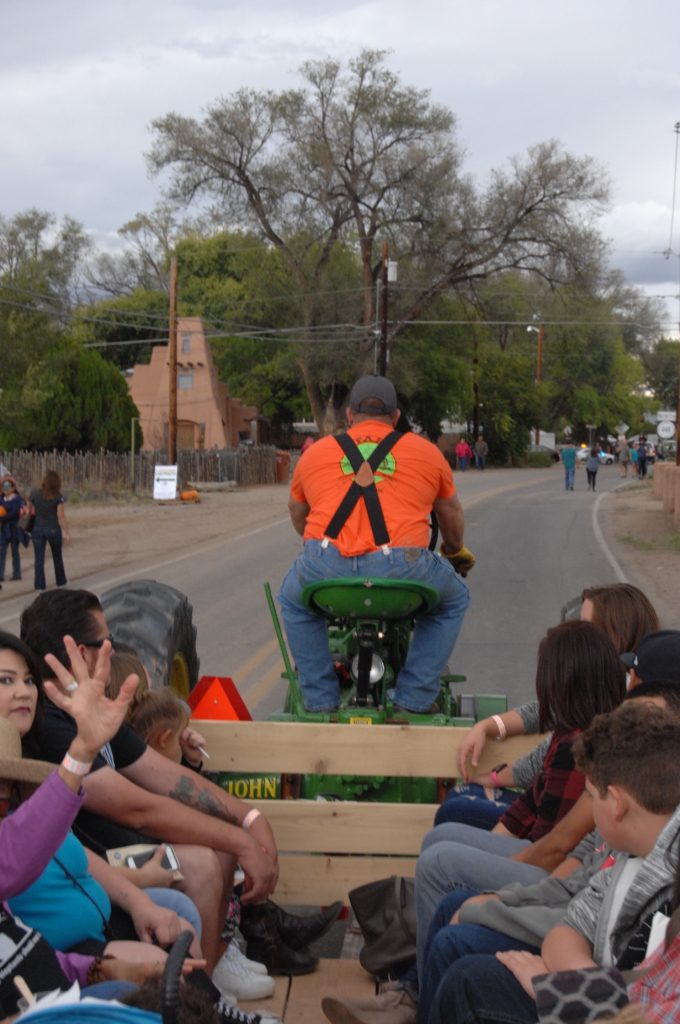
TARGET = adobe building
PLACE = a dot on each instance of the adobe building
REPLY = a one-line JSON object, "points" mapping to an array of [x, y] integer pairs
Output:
{"points": [[207, 416]]}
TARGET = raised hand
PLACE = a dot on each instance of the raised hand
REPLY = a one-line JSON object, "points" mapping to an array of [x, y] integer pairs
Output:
{"points": [[83, 697]]}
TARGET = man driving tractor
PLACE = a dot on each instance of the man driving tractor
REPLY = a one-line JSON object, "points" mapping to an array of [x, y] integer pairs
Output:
{"points": [[362, 502]]}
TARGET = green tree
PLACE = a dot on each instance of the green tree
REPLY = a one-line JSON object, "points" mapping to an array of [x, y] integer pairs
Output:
{"points": [[661, 370], [71, 399], [355, 156]]}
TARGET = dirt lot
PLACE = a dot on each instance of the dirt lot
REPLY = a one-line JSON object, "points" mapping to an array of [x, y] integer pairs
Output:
{"points": [[646, 545], [115, 534]]}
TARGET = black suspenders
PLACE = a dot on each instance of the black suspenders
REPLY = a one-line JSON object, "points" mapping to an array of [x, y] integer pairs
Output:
{"points": [[368, 492]]}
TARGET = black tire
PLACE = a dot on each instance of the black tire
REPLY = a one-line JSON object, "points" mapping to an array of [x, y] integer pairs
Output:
{"points": [[157, 620]]}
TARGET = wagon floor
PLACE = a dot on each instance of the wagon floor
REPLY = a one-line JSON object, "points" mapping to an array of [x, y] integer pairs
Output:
{"points": [[298, 1000]]}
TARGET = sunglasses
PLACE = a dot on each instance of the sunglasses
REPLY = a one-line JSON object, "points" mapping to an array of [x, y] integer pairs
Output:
{"points": [[97, 643]]}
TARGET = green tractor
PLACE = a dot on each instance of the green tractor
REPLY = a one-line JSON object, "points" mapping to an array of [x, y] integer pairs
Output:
{"points": [[370, 622]]}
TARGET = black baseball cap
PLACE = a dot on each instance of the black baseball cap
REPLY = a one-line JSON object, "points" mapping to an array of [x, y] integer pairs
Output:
{"points": [[657, 657], [373, 394]]}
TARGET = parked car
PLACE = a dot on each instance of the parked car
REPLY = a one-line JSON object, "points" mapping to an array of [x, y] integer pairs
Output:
{"points": [[606, 458]]}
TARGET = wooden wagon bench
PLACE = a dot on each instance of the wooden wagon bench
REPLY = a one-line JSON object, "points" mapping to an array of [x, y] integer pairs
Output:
{"points": [[328, 848]]}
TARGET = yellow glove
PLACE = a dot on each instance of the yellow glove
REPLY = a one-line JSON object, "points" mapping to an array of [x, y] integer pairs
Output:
{"points": [[462, 561]]}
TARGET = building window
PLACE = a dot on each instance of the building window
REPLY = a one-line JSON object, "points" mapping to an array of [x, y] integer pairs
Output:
{"points": [[186, 343], [185, 381]]}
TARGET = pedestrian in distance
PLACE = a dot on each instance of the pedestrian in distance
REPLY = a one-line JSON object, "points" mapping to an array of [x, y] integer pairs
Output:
{"points": [[568, 457], [481, 452], [642, 458], [624, 457], [50, 527], [463, 454], [11, 504], [592, 466]]}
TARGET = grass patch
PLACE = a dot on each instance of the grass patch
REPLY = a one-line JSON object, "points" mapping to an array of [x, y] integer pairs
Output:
{"points": [[665, 542]]}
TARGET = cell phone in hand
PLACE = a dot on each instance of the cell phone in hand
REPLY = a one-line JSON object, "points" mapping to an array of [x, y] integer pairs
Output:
{"points": [[170, 861]]}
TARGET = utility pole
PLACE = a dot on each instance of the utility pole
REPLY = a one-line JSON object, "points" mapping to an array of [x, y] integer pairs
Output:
{"points": [[382, 360], [539, 367], [172, 366]]}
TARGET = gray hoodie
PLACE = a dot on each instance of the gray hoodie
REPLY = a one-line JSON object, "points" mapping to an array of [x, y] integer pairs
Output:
{"points": [[528, 912], [589, 912]]}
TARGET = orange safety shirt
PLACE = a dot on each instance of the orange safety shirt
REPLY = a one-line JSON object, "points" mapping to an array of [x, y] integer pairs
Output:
{"points": [[409, 480]]}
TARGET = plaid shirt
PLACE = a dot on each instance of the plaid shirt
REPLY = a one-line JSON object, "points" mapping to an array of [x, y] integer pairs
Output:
{"points": [[553, 792], [659, 989]]}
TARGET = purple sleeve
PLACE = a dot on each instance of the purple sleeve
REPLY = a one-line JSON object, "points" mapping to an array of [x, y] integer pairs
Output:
{"points": [[34, 832], [75, 966]]}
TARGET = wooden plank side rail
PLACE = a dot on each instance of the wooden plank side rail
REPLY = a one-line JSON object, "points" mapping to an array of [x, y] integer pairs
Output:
{"points": [[403, 750], [328, 848]]}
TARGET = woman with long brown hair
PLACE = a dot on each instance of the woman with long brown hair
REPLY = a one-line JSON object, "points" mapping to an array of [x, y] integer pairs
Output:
{"points": [[47, 505]]}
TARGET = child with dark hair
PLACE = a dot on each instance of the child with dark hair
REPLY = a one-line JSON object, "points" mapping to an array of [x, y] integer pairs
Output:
{"points": [[629, 758]]}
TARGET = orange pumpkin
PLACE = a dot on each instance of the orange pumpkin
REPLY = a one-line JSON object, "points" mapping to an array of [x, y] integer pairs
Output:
{"points": [[189, 496]]}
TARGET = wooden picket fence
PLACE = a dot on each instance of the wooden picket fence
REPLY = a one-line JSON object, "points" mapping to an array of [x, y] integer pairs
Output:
{"points": [[113, 473]]}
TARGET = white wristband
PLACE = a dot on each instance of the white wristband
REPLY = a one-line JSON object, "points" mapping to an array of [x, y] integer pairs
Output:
{"points": [[500, 725], [75, 767], [250, 817]]}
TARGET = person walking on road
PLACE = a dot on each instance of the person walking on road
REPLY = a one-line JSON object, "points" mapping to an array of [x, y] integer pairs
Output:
{"points": [[592, 466], [11, 504], [463, 454], [624, 457], [642, 458], [568, 457], [47, 504], [481, 452]]}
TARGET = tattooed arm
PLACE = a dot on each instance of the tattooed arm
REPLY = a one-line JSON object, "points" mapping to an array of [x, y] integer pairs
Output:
{"points": [[168, 819], [157, 774]]}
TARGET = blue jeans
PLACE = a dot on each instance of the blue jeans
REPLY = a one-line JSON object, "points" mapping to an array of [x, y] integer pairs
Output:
{"points": [[11, 541], [469, 805], [455, 857], [42, 536], [434, 636], [446, 943], [173, 899], [479, 990], [569, 478]]}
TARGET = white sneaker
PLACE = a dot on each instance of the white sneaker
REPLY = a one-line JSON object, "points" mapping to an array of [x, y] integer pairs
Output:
{"points": [[232, 976], [254, 966]]}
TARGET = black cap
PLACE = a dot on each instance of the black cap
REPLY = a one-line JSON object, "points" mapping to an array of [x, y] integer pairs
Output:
{"points": [[373, 394], [657, 657]]}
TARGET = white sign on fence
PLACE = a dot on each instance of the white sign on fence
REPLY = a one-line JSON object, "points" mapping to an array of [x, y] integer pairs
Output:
{"points": [[165, 483], [665, 414]]}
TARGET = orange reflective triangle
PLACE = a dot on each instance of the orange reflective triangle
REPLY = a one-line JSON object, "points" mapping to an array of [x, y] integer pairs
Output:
{"points": [[216, 698]]}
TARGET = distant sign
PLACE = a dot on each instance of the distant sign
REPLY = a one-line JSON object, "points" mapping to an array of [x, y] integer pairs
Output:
{"points": [[165, 483], [666, 430], [622, 428], [665, 414]]}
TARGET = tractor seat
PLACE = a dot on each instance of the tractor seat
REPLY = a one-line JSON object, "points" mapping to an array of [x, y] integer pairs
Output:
{"points": [[369, 598]]}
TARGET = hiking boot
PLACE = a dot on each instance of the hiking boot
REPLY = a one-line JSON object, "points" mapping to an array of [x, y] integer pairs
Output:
{"points": [[393, 1007], [298, 930]]}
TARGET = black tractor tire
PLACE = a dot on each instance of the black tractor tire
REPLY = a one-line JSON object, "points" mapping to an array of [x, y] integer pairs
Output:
{"points": [[157, 620]]}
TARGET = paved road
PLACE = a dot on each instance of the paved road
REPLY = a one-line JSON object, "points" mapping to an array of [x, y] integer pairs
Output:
{"points": [[536, 546]]}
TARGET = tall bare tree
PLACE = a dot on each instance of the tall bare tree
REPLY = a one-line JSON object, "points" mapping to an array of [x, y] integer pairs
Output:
{"points": [[356, 156]]}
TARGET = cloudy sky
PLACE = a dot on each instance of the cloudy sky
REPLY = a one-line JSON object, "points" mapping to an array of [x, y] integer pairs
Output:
{"points": [[81, 80]]}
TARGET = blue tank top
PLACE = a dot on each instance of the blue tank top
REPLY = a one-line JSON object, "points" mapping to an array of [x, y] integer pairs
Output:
{"points": [[56, 907]]}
